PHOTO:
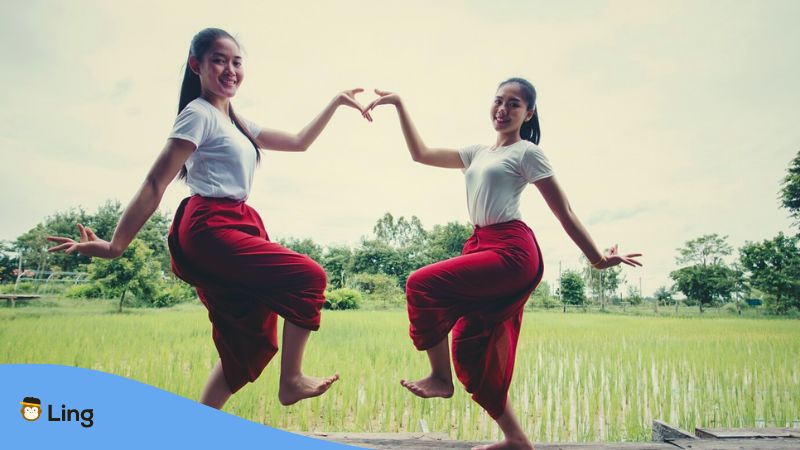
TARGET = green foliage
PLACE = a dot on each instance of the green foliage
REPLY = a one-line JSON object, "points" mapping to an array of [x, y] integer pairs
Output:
{"points": [[305, 246], [379, 289], [344, 298], [790, 189], [708, 286], [401, 232], [337, 262], [664, 296], [8, 263], [85, 290], [774, 266], [543, 297], [706, 250], [634, 296], [572, 288], [376, 256], [707, 279], [133, 272], [447, 241]]}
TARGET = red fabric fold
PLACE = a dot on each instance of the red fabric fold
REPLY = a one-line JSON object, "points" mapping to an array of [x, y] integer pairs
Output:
{"points": [[220, 247], [480, 296]]}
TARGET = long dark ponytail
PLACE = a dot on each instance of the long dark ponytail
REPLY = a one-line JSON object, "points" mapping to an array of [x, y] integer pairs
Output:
{"points": [[191, 89], [529, 130]]}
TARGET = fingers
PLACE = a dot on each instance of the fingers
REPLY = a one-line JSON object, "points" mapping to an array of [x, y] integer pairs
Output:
{"points": [[59, 239], [82, 231], [90, 233], [65, 245]]}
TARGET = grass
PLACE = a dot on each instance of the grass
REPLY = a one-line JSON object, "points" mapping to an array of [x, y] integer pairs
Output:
{"points": [[578, 377]]}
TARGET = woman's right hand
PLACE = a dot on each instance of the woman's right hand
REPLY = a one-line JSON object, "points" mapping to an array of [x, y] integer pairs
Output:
{"points": [[89, 245], [384, 98]]}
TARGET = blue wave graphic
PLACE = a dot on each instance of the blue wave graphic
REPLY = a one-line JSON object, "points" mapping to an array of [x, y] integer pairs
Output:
{"points": [[125, 414]]}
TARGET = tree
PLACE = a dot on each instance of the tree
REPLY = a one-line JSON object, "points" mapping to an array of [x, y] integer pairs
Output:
{"points": [[305, 246], [572, 289], [337, 262], [790, 189], [7, 263], [376, 256], [705, 250], [634, 296], [706, 278], [663, 296], [710, 285], [447, 241], [133, 272], [602, 283], [774, 267], [401, 232]]}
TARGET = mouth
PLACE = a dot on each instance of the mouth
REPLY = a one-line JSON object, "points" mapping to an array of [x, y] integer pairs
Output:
{"points": [[228, 82], [502, 120]]}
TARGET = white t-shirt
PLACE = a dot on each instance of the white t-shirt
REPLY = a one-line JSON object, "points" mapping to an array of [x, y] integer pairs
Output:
{"points": [[224, 161], [496, 178]]}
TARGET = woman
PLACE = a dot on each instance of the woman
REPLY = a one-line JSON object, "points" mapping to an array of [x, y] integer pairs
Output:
{"points": [[217, 242], [480, 295]]}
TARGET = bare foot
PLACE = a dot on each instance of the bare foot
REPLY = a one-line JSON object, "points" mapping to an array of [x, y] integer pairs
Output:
{"points": [[508, 444], [298, 388], [431, 386]]}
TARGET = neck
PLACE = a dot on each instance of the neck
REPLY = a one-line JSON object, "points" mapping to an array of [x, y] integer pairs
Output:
{"points": [[505, 139], [221, 103]]}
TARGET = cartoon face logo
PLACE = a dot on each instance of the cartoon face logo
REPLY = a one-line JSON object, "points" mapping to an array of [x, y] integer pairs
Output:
{"points": [[31, 408]]}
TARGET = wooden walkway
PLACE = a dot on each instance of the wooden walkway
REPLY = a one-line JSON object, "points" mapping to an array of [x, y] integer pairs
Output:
{"points": [[705, 439]]}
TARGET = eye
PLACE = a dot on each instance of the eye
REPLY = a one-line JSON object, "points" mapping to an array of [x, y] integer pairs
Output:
{"points": [[237, 64]]}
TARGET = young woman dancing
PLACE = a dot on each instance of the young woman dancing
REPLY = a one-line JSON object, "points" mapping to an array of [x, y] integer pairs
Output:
{"points": [[217, 242], [480, 295]]}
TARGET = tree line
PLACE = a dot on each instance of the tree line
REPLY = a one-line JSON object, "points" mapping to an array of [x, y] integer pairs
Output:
{"points": [[377, 268]]}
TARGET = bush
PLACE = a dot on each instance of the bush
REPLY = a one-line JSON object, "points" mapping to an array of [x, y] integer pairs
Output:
{"points": [[379, 289], [85, 290], [343, 298]]}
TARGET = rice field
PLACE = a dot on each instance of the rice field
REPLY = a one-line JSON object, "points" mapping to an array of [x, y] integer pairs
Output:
{"points": [[579, 377]]}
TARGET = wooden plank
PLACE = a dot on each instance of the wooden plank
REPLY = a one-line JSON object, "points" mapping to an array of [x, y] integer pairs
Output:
{"points": [[745, 433], [427, 441], [737, 444], [662, 431]]}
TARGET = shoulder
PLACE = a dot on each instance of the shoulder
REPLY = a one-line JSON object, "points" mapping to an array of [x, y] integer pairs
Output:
{"points": [[197, 108]]}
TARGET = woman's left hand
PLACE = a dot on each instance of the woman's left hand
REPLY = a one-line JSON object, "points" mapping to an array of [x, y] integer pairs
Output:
{"points": [[348, 98], [613, 258]]}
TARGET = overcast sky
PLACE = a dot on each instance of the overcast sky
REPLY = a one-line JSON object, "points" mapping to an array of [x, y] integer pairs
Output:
{"points": [[663, 120]]}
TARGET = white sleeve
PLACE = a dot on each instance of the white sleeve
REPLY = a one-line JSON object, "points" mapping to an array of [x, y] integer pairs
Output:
{"points": [[192, 124], [254, 128], [533, 165], [468, 154]]}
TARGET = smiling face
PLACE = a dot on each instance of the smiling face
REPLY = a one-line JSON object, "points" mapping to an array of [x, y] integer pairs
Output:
{"points": [[509, 109], [30, 412], [220, 69]]}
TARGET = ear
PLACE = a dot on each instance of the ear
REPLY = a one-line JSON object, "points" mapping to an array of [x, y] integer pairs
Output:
{"points": [[194, 65], [529, 114]]}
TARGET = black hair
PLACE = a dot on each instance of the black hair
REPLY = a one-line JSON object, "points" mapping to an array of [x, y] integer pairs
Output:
{"points": [[529, 130], [191, 89]]}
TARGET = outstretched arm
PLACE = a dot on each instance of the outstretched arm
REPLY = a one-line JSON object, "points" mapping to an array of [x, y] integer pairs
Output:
{"points": [[141, 207], [558, 203], [299, 142], [439, 157]]}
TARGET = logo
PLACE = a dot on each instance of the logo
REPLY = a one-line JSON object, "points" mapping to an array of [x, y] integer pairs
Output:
{"points": [[31, 408]]}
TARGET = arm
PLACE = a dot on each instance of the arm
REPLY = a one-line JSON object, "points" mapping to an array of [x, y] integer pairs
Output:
{"points": [[280, 140], [439, 157], [140, 208], [558, 203]]}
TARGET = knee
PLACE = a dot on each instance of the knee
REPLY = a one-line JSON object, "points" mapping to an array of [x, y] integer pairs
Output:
{"points": [[316, 274]]}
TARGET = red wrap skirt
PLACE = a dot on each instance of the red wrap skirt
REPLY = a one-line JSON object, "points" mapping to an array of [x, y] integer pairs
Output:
{"points": [[220, 247], [479, 296]]}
